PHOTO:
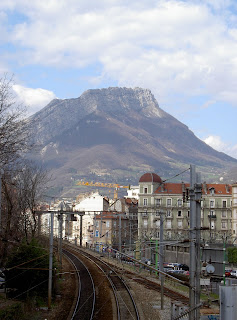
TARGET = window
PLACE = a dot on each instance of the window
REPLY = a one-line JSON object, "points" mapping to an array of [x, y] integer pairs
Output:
{"points": [[169, 214], [179, 213], [212, 213], [223, 224], [145, 202], [179, 202], [224, 204], [180, 223], [168, 202], [158, 202], [212, 203], [145, 190], [97, 233], [144, 213], [212, 191], [158, 223], [107, 224], [168, 224], [212, 225], [157, 213], [107, 234], [224, 214], [188, 213], [145, 222], [157, 234]]}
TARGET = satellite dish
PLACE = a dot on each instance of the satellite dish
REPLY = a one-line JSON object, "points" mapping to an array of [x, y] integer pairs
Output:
{"points": [[210, 268]]}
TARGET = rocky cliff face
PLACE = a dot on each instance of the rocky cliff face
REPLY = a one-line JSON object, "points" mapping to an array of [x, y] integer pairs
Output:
{"points": [[118, 134], [64, 114]]}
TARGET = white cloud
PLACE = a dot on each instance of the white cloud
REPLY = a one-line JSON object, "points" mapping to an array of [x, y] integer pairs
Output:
{"points": [[33, 99], [168, 46], [216, 143]]}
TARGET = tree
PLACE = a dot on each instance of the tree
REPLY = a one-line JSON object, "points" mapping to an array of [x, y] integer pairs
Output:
{"points": [[31, 183], [232, 254], [22, 192], [27, 269], [14, 129]]}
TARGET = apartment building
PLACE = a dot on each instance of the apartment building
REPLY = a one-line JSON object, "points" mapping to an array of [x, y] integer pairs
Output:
{"points": [[111, 229], [218, 216]]}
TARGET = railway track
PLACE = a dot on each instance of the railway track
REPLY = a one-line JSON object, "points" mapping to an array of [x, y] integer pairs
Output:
{"points": [[152, 285], [125, 305], [85, 302]]}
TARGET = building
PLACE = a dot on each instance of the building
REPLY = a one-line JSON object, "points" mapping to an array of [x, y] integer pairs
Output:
{"points": [[218, 216], [111, 230], [92, 205]]}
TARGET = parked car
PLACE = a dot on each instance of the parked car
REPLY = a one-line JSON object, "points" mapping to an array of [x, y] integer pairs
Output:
{"points": [[184, 267], [228, 273], [233, 273]]}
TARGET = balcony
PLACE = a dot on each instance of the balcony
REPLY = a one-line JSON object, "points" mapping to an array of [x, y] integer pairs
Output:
{"points": [[211, 216], [157, 205]]}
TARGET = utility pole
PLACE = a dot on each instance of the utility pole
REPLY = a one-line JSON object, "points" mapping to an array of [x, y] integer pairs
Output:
{"points": [[120, 236], [81, 214], [198, 195], [192, 264], [60, 239], [50, 263], [162, 259], [195, 193]]}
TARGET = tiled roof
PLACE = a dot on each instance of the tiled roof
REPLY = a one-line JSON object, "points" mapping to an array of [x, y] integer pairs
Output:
{"points": [[150, 177], [177, 188]]}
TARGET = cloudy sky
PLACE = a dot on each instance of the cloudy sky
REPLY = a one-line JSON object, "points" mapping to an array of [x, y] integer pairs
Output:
{"points": [[184, 51]]}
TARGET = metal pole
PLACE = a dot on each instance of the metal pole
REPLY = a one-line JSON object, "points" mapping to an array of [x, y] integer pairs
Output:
{"points": [[198, 195], [60, 239], [94, 230], [80, 230], [68, 226], [156, 255], [50, 264], [120, 230], [224, 257], [192, 263], [100, 224], [161, 260]]}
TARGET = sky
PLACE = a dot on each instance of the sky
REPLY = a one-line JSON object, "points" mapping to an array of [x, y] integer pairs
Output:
{"points": [[185, 52]]}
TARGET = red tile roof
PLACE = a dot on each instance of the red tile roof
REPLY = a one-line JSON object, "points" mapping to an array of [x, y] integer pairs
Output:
{"points": [[176, 188], [150, 177]]}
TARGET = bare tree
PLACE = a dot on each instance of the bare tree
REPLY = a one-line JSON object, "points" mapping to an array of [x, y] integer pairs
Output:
{"points": [[22, 193], [14, 129], [31, 184]]}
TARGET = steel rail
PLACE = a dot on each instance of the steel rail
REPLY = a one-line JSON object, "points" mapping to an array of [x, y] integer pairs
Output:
{"points": [[79, 308], [111, 279]]}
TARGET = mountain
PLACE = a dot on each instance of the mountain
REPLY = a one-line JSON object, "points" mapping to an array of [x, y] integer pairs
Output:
{"points": [[116, 135]]}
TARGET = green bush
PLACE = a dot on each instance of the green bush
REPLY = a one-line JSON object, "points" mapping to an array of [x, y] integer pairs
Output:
{"points": [[14, 312], [27, 270], [232, 255]]}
